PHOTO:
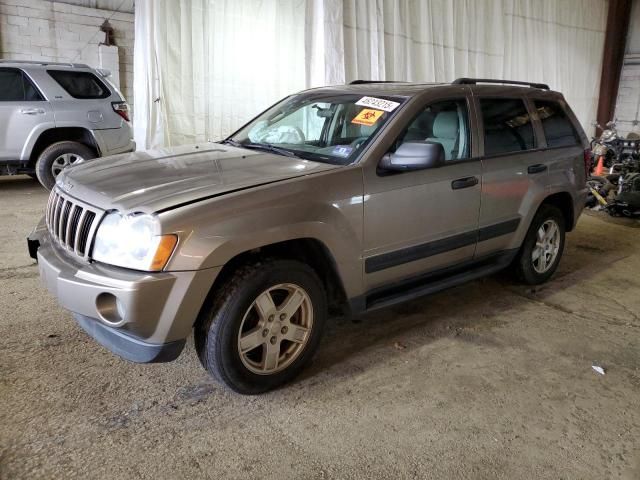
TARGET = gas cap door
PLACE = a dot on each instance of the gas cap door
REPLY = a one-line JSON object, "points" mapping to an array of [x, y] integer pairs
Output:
{"points": [[95, 116]]}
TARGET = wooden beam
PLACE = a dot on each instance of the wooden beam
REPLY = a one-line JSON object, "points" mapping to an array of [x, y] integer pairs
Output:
{"points": [[614, 45]]}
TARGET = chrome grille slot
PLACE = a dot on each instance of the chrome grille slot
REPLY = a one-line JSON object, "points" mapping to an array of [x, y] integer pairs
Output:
{"points": [[64, 221], [71, 223], [85, 228], [56, 215]]}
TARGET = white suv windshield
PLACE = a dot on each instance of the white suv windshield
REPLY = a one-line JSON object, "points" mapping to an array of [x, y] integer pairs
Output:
{"points": [[332, 128]]}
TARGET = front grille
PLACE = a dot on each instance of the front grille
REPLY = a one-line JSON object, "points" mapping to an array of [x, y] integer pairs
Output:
{"points": [[71, 223]]}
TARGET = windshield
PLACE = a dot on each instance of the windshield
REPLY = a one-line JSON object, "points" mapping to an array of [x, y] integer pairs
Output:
{"points": [[330, 128]]}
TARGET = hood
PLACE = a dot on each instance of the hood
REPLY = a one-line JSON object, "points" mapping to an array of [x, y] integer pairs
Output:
{"points": [[154, 180]]}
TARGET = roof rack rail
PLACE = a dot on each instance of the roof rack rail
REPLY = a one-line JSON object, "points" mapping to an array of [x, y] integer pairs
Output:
{"points": [[362, 82], [44, 63], [474, 81]]}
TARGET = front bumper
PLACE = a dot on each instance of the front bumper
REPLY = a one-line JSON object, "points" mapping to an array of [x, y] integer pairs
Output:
{"points": [[128, 346], [143, 317]]}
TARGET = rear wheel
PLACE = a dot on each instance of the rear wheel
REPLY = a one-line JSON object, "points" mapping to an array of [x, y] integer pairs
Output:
{"points": [[58, 156], [542, 249], [263, 326]]}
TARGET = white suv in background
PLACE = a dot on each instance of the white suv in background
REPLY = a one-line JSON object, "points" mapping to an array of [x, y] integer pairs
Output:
{"points": [[53, 115]]}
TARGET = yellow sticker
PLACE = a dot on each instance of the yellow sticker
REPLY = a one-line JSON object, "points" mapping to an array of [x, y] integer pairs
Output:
{"points": [[367, 117]]}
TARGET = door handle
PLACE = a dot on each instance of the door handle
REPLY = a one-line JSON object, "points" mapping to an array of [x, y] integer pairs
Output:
{"points": [[32, 111], [465, 182], [537, 168]]}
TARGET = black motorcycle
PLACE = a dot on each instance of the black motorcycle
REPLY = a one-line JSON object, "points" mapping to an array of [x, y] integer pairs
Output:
{"points": [[618, 191], [606, 146]]}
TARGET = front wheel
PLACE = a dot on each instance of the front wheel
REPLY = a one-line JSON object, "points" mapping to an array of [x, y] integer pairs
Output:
{"points": [[58, 156], [263, 326], [542, 248]]}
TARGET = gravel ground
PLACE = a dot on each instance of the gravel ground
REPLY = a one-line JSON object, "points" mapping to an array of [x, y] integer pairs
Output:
{"points": [[487, 380]]}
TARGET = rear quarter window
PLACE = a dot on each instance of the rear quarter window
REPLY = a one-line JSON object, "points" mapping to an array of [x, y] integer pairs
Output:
{"points": [[557, 127], [81, 85]]}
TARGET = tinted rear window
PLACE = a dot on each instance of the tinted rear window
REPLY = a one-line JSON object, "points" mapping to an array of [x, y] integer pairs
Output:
{"points": [[558, 129], [82, 85], [507, 126], [16, 87]]}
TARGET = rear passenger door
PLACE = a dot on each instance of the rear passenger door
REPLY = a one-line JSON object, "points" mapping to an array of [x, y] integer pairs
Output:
{"points": [[23, 111], [513, 174]]}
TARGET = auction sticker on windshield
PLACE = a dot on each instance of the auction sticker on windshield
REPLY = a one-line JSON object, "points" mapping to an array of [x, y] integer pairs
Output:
{"points": [[379, 103], [367, 117]]}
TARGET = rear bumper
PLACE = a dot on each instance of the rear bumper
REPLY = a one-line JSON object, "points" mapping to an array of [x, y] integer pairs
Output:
{"points": [[143, 317], [579, 202], [114, 141]]}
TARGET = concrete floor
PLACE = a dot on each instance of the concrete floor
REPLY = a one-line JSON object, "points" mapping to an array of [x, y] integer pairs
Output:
{"points": [[488, 380]]}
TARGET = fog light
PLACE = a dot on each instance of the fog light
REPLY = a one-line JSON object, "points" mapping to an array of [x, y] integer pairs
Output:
{"points": [[110, 308]]}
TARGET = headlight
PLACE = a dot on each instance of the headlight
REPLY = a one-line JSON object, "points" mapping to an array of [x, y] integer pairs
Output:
{"points": [[132, 241]]}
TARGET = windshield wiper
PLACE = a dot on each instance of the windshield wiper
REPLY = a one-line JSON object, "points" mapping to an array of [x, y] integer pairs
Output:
{"points": [[232, 142], [261, 146], [270, 148]]}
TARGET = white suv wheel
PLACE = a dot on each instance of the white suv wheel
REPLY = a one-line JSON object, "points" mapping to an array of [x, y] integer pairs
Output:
{"points": [[63, 161]]}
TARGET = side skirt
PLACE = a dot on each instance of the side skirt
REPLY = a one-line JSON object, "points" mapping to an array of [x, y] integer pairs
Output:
{"points": [[432, 282]]}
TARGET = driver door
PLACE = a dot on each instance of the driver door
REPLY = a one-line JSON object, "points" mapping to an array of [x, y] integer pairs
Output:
{"points": [[424, 220]]}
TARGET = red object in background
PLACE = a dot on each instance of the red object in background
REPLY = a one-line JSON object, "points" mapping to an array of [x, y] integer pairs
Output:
{"points": [[599, 170]]}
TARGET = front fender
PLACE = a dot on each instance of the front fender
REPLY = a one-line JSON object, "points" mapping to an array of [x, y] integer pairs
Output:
{"points": [[325, 207]]}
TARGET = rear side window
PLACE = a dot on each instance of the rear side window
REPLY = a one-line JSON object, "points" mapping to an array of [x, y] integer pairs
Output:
{"points": [[16, 87], [558, 129], [81, 85], [507, 126]]}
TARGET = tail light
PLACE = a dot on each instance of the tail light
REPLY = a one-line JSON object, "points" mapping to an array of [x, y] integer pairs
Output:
{"points": [[588, 161], [122, 109]]}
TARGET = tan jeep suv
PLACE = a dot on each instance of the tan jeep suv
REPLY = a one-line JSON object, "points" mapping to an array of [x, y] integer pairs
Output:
{"points": [[336, 200]]}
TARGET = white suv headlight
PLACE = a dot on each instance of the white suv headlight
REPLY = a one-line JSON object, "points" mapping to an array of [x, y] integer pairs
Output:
{"points": [[132, 241]]}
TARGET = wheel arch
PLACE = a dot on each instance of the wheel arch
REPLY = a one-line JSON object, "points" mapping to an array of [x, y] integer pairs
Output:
{"points": [[310, 251], [62, 134], [563, 201]]}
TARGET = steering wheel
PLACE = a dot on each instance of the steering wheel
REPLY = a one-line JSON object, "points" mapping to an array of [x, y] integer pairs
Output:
{"points": [[300, 134]]}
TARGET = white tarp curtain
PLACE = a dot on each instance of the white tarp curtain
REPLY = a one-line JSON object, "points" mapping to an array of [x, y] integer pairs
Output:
{"points": [[204, 67]]}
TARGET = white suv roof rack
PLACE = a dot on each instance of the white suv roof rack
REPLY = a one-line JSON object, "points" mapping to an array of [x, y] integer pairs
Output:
{"points": [[45, 63]]}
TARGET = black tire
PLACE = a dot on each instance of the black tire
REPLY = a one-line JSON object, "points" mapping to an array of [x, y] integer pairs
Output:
{"points": [[48, 156], [524, 263], [218, 327]]}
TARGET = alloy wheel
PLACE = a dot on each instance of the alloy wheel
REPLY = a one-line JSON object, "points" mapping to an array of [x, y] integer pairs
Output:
{"points": [[63, 161], [275, 329], [547, 246]]}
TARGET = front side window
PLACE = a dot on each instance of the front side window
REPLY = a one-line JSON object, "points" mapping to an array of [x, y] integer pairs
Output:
{"points": [[80, 85], [507, 126], [325, 127], [15, 87], [558, 129], [446, 123]]}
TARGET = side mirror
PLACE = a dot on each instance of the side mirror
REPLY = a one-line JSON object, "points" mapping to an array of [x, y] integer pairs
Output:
{"points": [[414, 156]]}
